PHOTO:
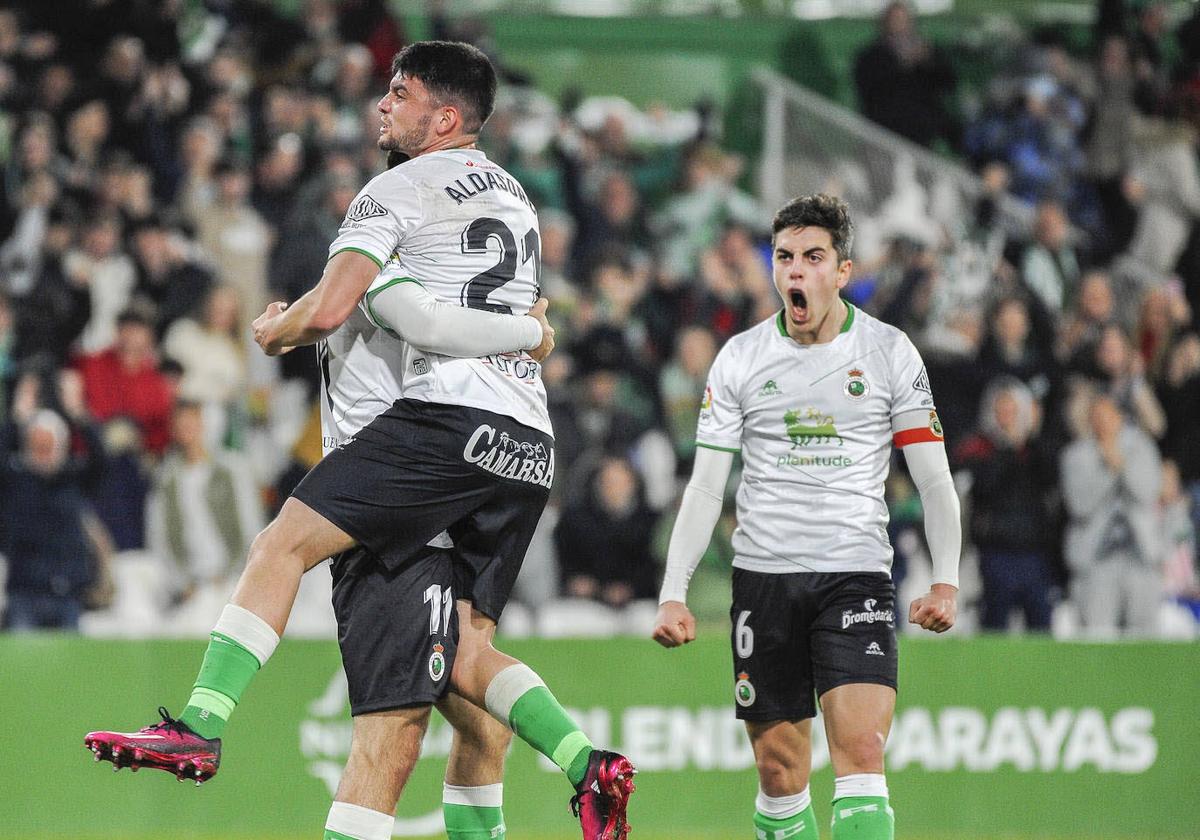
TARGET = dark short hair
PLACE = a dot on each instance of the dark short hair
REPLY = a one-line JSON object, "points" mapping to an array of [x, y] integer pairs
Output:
{"points": [[819, 210], [454, 73]]}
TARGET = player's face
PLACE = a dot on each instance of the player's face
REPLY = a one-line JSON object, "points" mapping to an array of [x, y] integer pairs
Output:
{"points": [[808, 276], [406, 113]]}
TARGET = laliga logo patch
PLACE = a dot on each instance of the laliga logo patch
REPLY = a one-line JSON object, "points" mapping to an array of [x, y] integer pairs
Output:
{"points": [[856, 386], [935, 425], [437, 664], [743, 690]]}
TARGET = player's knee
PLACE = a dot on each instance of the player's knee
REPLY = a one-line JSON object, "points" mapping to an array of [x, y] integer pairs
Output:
{"points": [[272, 546], [861, 752], [778, 774]]}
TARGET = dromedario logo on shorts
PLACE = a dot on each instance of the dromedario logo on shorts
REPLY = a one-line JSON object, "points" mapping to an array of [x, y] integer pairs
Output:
{"points": [[869, 615], [503, 455]]}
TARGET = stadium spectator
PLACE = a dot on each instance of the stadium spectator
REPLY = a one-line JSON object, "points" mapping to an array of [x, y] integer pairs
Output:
{"points": [[1110, 143], [1121, 376], [1080, 331], [236, 237], [211, 349], [681, 389], [1012, 479], [902, 80], [1010, 348], [604, 543], [1049, 266], [170, 281], [1180, 395], [42, 508], [109, 275], [1165, 186], [123, 381], [204, 510], [1111, 482]]}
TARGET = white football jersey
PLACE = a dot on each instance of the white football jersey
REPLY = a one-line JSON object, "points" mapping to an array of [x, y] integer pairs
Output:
{"points": [[463, 228], [814, 426], [359, 377], [359, 364]]}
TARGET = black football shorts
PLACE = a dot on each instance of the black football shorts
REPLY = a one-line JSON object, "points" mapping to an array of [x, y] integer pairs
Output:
{"points": [[802, 633], [397, 627], [421, 468]]}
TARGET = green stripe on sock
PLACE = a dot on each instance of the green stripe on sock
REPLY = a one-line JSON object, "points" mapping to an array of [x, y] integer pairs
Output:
{"points": [[471, 822], [214, 701], [863, 818], [225, 673], [330, 834], [569, 749], [538, 720], [802, 826]]}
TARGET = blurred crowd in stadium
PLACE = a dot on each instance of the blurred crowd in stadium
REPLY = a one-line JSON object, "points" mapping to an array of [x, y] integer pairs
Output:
{"points": [[169, 168]]}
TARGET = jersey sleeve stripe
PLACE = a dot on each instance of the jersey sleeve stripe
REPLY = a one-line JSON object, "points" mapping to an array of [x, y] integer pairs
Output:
{"points": [[718, 448], [373, 293], [922, 435], [365, 253]]}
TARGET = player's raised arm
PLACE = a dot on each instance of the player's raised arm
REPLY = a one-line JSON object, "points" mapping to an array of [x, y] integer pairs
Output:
{"points": [[406, 308], [320, 310], [698, 514], [918, 434]]}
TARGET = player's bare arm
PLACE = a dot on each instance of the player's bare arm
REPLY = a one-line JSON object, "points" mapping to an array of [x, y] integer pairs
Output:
{"points": [[919, 434], [319, 311], [698, 514]]}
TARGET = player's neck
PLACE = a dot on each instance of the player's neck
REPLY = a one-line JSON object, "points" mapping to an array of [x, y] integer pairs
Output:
{"points": [[460, 141]]}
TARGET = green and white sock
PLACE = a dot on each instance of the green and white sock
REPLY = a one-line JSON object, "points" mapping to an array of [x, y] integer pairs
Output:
{"points": [[519, 699], [860, 808], [240, 644], [784, 817], [354, 822], [473, 813]]}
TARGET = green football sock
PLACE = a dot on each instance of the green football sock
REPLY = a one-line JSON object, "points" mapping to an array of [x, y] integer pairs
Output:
{"points": [[473, 812], [519, 698], [238, 646], [863, 818], [801, 826], [472, 822]]}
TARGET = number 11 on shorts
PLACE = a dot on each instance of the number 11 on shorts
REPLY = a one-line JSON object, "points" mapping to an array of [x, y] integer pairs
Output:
{"points": [[440, 604]]}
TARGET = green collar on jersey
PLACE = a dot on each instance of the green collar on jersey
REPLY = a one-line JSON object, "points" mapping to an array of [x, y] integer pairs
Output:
{"points": [[782, 325]]}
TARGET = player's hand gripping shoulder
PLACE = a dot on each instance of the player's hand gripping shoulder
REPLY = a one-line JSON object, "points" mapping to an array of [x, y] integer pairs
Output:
{"points": [[674, 625], [538, 312], [936, 610]]}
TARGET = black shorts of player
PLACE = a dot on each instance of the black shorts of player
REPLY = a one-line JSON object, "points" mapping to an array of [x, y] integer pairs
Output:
{"points": [[397, 627], [796, 634], [421, 468]]}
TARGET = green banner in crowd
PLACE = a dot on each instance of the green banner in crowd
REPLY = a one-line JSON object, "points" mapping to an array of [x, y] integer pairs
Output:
{"points": [[1019, 738]]}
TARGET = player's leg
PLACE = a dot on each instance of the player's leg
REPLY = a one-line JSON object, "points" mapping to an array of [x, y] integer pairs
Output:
{"points": [[858, 717], [491, 543], [853, 643], [384, 747], [242, 641], [473, 796], [773, 690], [397, 632], [783, 756]]}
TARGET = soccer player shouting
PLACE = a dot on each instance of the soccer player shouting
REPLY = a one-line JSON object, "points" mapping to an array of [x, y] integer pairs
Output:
{"points": [[812, 398]]}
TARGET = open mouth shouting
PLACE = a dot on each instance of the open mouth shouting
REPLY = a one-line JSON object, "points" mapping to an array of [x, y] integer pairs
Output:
{"points": [[798, 306]]}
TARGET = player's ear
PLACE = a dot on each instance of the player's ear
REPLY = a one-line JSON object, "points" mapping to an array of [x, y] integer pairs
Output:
{"points": [[448, 118], [843, 273]]}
